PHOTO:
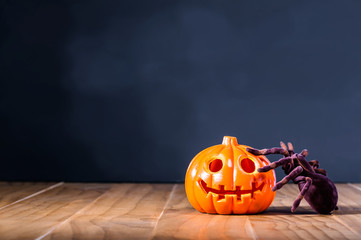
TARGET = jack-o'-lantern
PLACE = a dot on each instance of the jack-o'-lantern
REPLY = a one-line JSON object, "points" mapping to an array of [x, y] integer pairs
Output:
{"points": [[224, 179]]}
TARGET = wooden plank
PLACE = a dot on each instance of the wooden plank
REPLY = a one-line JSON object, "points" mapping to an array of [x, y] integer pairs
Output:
{"points": [[125, 211], [356, 186], [279, 223], [11, 192], [349, 212], [34, 217]]}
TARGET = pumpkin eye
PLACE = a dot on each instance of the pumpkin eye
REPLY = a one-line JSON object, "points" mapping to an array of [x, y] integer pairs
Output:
{"points": [[247, 165], [216, 165]]}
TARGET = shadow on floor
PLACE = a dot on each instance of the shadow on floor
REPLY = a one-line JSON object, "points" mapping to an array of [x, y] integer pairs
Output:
{"points": [[282, 210]]}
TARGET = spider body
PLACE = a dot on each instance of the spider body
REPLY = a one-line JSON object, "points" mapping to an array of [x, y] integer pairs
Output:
{"points": [[315, 187]]}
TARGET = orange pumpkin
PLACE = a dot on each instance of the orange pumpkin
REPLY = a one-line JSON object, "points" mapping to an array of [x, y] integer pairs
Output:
{"points": [[223, 179]]}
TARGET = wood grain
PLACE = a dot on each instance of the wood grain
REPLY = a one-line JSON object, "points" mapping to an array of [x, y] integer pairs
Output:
{"points": [[181, 221], [33, 217], [279, 223], [11, 192], [125, 211], [349, 212], [162, 211]]}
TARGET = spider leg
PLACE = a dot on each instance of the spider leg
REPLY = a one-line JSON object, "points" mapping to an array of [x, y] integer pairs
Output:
{"points": [[304, 152], [295, 172], [275, 164], [267, 151], [284, 147], [290, 148], [314, 163], [303, 162], [321, 171], [305, 188]]}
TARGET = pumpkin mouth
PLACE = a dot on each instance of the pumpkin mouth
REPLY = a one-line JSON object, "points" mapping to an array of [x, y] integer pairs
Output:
{"points": [[221, 192]]}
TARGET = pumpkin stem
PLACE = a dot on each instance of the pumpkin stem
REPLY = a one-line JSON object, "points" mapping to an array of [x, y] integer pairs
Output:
{"points": [[229, 140]]}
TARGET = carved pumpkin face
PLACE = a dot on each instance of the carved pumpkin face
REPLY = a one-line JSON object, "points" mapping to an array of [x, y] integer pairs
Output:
{"points": [[223, 179]]}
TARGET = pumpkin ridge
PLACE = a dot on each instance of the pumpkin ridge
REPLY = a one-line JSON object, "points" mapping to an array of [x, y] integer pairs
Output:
{"points": [[194, 165], [234, 166], [211, 180], [217, 149], [243, 149], [267, 204]]}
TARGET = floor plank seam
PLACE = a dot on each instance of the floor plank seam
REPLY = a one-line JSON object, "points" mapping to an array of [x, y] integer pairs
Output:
{"points": [[70, 218], [344, 224], [164, 209], [356, 187], [251, 230], [33, 195]]}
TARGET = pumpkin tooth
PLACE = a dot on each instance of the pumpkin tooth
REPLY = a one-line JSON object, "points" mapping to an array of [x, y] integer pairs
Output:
{"points": [[214, 195], [221, 197]]}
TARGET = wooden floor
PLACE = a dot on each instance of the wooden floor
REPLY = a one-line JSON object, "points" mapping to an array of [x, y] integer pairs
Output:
{"points": [[161, 211]]}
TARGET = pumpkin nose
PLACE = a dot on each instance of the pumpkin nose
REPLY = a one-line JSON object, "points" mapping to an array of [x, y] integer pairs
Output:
{"points": [[248, 165]]}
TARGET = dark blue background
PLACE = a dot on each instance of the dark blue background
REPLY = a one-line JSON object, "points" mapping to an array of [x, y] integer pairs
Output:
{"points": [[132, 90]]}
